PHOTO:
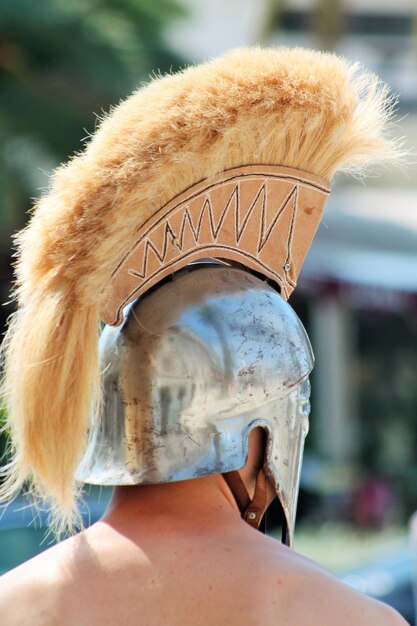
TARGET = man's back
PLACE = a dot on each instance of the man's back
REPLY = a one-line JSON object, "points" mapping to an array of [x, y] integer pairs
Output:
{"points": [[169, 576]]}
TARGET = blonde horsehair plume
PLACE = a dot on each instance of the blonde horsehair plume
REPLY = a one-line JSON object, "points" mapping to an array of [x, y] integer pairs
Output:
{"points": [[291, 107]]}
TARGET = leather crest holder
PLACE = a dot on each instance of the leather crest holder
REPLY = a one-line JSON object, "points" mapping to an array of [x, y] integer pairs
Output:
{"points": [[261, 216]]}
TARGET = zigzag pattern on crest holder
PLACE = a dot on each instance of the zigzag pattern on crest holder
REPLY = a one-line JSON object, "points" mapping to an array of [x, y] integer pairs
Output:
{"points": [[263, 217]]}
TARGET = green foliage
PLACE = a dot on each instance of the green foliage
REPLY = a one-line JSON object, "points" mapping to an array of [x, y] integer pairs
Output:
{"points": [[3, 437], [2, 418], [60, 63]]}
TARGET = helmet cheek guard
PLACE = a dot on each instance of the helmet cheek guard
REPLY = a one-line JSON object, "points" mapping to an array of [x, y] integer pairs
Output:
{"points": [[196, 365]]}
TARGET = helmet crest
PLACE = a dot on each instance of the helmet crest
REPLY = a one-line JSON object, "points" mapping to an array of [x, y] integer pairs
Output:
{"points": [[299, 109]]}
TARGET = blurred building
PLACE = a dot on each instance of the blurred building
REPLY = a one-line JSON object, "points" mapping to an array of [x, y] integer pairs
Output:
{"points": [[358, 288]]}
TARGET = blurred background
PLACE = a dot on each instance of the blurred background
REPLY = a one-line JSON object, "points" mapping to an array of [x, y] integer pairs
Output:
{"points": [[63, 63]]}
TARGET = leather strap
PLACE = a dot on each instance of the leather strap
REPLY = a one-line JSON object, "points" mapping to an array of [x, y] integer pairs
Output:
{"points": [[238, 489], [256, 510], [252, 511]]}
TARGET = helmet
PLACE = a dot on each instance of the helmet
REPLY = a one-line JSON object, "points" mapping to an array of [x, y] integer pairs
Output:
{"points": [[197, 363], [230, 160]]}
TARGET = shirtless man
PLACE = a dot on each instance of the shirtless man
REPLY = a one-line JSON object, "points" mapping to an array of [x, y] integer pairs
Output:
{"points": [[180, 555], [192, 193]]}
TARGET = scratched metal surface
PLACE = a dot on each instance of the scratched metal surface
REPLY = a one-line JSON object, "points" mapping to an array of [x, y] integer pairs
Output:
{"points": [[196, 365]]}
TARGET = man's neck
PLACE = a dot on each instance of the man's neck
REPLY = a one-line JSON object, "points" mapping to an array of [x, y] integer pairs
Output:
{"points": [[201, 502]]}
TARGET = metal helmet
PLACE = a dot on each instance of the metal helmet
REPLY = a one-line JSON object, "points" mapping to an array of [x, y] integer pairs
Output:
{"points": [[173, 176], [200, 361]]}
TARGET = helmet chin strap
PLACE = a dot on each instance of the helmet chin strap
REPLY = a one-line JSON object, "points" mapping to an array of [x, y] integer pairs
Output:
{"points": [[251, 510]]}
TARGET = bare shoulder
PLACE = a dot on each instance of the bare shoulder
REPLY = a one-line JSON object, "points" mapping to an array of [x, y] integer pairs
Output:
{"points": [[301, 592], [29, 594], [336, 603]]}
